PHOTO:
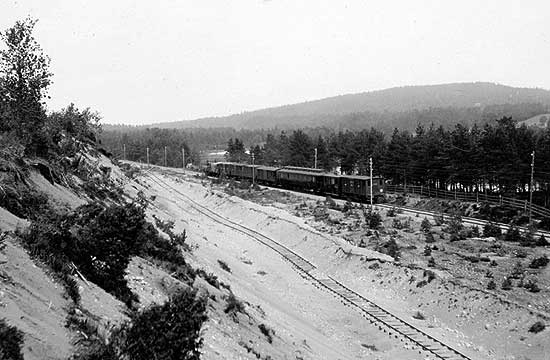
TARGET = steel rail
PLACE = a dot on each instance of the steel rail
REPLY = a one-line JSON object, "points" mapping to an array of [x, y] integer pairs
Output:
{"points": [[306, 269]]}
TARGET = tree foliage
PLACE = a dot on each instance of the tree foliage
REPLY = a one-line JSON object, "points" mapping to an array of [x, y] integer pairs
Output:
{"points": [[11, 341], [168, 331], [24, 79]]}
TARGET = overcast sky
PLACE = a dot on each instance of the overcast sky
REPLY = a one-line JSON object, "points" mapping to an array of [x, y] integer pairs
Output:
{"points": [[140, 62]]}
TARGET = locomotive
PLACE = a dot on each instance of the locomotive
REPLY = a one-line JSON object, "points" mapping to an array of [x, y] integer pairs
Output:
{"points": [[316, 181]]}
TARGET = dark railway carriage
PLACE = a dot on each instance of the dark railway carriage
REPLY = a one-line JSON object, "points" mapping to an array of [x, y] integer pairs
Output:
{"points": [[358, 187], [314, 180], [266, 175], [330, 184], [299, 179]]}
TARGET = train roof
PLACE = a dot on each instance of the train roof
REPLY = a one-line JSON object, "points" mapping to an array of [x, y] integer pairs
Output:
{"points": [[303, 169], [302, 172], [236, 164], [269, 168], [360, 177]]}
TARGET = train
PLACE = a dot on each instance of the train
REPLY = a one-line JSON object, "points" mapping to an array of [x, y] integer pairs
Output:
{"points": [[317, 181]]}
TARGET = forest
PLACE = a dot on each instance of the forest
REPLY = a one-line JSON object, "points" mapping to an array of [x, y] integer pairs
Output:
{"points": [[495, 157]]}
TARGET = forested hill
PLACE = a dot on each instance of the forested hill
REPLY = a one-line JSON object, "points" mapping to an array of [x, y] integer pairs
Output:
{"points": [[401, 107]]}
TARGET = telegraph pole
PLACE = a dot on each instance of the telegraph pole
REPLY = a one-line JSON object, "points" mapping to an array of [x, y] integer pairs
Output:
{"points": [[370, 163], [253, 170], [531, 186], [165, 156], [183, 156], [124, 151], [315, 158], [147, 156]]}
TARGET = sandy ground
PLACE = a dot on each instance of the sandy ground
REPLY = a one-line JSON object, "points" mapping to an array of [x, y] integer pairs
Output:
{"points": [[456, 306], [305, 322], [312, 324]]}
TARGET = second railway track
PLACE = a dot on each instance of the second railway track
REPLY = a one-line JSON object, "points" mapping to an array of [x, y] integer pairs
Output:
{"points": [[375, 314]]}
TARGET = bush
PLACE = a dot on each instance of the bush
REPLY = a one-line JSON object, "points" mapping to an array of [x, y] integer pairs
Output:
{"points": [[419, 316], [390, 248], [268, 333], [224, 266], [234, 306], [475, 231], [100, 240], [454, 227], [429, 237], [532, 286], [168, 228], [541, 241], [517, 271], [430, 274], [425, 226], [537, 327], [491, 285], [373, 219], [439, 219], [168, 331], [506, 284], [427, 251], [431, 262], [24, 202], [539, 262], [391, 212], [513, 234], [491, 229], [11, 341]]}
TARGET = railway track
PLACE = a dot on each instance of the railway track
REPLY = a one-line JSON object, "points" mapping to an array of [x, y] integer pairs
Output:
{"points": [[465, 220], [375, 314]]}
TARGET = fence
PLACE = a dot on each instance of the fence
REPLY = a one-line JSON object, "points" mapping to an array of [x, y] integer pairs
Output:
{"points": [[472, 197]]}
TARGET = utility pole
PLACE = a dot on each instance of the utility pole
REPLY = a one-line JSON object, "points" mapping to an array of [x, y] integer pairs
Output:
{"points": [[315, 158], [531, 186], [124, 151], [147, 156], [165, 156], [253, 170], [183, 156], [370, 163]]}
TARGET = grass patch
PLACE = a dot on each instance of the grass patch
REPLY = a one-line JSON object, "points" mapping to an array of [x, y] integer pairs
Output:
{"points": [[11, 342]]}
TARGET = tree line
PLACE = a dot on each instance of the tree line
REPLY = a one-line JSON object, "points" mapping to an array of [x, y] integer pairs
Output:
{"points": [[495, 157], [26, 129]]}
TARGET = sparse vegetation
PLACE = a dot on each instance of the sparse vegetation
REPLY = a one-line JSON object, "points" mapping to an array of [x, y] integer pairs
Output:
{"points": [[419, 316], [168, 331], [11, 342], [391, 212], [491, 229], [390, 248], [506, 284], [539, 262], [99, 240], [268, 332], [537, 327], [234, 306], [513, 234], [427, 250], [429, 237], [426, 225], [430, 275], [372, 219], [224, 266], [542, 241]]}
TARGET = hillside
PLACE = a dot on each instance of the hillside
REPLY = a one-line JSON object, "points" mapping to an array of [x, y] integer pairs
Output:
{"points": [[540, 121], [396, 106]]}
